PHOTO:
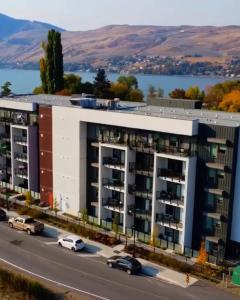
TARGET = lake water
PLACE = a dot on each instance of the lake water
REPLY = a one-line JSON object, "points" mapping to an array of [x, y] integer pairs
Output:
{"points": [[24, 81]]}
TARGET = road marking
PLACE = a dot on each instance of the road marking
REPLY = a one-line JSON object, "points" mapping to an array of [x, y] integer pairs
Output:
{"points": [[53, 281], [88, 255], [51, 243]]}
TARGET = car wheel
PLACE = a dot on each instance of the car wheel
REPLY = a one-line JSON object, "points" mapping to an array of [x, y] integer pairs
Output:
{"points": [[129, 272], [29, 232], [73, 249], [110, 265], [11, 225], [60, 244]]}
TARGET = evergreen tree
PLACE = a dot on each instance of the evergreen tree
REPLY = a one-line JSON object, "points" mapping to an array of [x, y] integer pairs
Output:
{"points": [[102, 85], [51, 65], [6, 90], [58, 62], [50, 72]]}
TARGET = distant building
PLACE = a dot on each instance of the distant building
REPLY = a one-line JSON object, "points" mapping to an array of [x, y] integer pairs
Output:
{"points": [[177, 169]]}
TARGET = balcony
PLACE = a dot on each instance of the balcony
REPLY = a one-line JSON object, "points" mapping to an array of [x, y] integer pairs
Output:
{"points": [[5, 120], [113, 204], [170, 198], [144, 170], [143, 214], [178, 151], [5, 153], [106, 139], [113, 184], [21, 172], [139, 192], [143, 147], [113, 163], [21, 157], [95, 203], [171, 175], [169, 221], [5, 137], [20, 140], [95, 184], [95, 164]]}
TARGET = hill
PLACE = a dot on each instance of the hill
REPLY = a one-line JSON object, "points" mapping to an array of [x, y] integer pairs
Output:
{"points": [[20, 42]]}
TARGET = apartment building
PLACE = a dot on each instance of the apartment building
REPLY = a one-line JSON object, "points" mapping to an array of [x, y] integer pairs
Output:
{"points": [[171, 173]]}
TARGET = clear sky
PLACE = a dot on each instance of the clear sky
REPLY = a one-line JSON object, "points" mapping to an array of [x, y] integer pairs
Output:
{"points": [[90, 14]]}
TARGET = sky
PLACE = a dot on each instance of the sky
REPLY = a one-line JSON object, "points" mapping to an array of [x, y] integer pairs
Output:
{"points": [[90, 14]]}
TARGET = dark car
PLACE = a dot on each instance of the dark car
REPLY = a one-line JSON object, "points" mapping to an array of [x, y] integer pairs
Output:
{"points": [[3, 215], [125, 263]]}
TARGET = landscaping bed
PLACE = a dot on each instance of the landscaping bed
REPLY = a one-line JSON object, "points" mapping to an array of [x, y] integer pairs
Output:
{"points": [[78, 229], [205, 271]]}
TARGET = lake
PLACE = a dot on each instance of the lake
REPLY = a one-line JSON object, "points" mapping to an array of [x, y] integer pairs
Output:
{"points": [[24, 81]]}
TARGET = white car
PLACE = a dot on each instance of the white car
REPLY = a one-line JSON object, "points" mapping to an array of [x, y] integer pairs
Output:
{"points": [[72, 242]]}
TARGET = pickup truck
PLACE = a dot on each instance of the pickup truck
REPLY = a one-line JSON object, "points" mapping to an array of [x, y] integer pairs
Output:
{"points": [[26, 223]]}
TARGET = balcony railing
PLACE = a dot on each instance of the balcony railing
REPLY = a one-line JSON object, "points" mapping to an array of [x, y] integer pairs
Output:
{"points": [[142, 170], [169, 221], [113, 203], [113, 162], [170, 197], [20, 139], [143, 214], [6, 120], [174, 175], [113, 184], [20, 156], [175, 150], [139, 192], [21, 173]]}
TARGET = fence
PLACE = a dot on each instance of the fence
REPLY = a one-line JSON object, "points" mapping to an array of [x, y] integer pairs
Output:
{"points": [[19, 190]]}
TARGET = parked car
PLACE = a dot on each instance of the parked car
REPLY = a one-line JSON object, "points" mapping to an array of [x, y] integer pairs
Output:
{"points": [[72, 242], [26, 223], [3, 215], [125, 263]]}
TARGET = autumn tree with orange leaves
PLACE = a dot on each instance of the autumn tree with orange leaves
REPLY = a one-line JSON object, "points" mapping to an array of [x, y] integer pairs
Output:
{"points": [[231, 102]]}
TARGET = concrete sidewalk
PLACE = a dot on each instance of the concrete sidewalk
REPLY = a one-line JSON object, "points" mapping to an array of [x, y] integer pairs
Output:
{"points": [[148, 268]]}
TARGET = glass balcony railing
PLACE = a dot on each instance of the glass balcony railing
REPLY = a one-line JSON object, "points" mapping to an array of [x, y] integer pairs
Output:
{"points": [[169, 221], [112, 203], [20, 139], [113, 162], [139, 192], [21, 156], [170, 198], [176, 175], [113, 184], [21, 173]]}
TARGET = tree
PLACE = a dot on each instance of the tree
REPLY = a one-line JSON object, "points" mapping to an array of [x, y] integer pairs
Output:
{"points": [[231, 102], [55, 205], [38, 90], [136, 95], [202, 257], [101, 84], [160, 92], [6, 90], [58, 62], [28, 200], [115, 224], [87, 87], [130, 81], [73, 83], [177, 94], [193, 93], [51, 65], [84, 215], [120, 90], [152, 93]]}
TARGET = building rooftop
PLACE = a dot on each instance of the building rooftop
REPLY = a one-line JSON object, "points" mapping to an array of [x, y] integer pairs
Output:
{"points": [[202, 115]]}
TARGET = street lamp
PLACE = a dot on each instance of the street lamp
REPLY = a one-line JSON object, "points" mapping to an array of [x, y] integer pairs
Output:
{"points": [[132, 211]]}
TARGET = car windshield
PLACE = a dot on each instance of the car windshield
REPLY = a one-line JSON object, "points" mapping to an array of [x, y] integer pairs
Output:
{"points": [[78, 241], [30, 220]]}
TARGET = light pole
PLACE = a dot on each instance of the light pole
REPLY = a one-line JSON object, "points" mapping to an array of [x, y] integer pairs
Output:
{"points": [[132, 211]]}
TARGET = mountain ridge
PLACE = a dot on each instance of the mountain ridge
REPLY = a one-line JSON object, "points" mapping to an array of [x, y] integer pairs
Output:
{"points": [[20, 42]]}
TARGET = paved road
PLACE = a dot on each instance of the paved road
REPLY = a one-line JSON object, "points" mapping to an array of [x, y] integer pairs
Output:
{"points": [[89, 273]]}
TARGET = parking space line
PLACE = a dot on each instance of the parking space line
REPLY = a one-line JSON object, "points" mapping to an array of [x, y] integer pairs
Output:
{"points": [[51, 243], [88, 255]]}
